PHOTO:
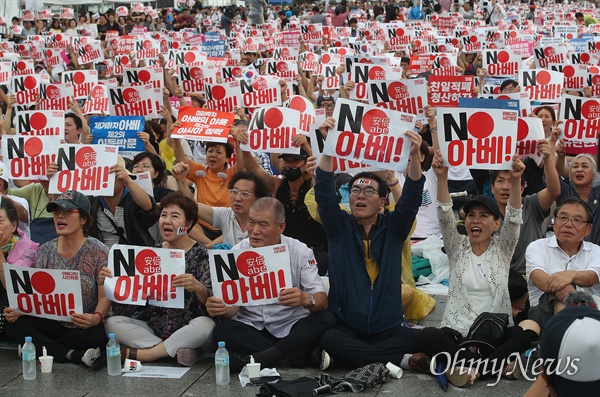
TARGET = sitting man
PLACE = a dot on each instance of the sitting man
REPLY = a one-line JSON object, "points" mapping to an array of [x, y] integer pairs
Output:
{"points": [[365, 265], [288, 330], [563, 263]]}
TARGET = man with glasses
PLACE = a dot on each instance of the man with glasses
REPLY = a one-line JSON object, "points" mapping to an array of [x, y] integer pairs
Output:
{"points": [[365, 263], [563, 263], [326, 102]]}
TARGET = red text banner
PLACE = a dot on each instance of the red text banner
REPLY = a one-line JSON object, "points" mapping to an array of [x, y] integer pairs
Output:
{"points": [[203, 124], [272, 130], [28, 157], [581, 123]]}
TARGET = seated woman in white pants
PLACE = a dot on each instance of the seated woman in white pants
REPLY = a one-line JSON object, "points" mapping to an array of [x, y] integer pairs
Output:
{"points": [[173, 332]]}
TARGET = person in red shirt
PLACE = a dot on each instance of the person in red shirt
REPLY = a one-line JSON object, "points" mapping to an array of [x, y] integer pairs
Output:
{"points": [[184, 21]]}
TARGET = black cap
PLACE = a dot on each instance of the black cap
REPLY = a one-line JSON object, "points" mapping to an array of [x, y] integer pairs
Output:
{"points": [[71, 200], [323, 98], [302, 156], [487, 201]]}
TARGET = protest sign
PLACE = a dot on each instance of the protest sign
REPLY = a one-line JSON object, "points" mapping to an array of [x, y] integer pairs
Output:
{"points": [[366, 134], [529, 131], [26, 88], [5, 73], [84, 168], [54, 294], [191, 78], [28, 157], [40, 122], [581, 123], [83, 81], [143, 77], [363, 73], [147, 48], [263, 91], [409, 96], [89, 51], [502, 63], [135, 101], [56, 96], [225, 97], [522, 97], [203, 124], [145, 274], [250, 277], [541, 84], [307, 112], [272, 130], [97, 103], [446, 90], [120, 132]]}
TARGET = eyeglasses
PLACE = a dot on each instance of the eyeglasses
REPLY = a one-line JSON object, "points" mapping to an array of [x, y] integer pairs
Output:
{"points": [[574, 221], [242, 193], [368, 191], [328, 105], [58, 212], [144, 167]]}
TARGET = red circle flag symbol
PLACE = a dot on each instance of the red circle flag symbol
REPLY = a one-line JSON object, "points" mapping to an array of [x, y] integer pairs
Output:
{"points": [[218, 92], [522, 130], [43, 283], [48, 53], [568, 70], [376, 122], [147, 262], [189, 57], [130, 95], [85, 157], [480, 125], [543, 77], [97, 92], [400, 32], [273, 118], [342, 51], [33, 146], [78, 78], [503, 56], [144, 76], [397, 90], [297, 103], [376, 73], [30, 82], [282, 67], [124, 60], [590, 109], [250, 263], [52, 92], [326, 58], [585, 57], [38, 121], [21, 65]]}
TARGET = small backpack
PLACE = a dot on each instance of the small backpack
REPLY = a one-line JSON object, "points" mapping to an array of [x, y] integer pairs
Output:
{"points": [[487, 332]]}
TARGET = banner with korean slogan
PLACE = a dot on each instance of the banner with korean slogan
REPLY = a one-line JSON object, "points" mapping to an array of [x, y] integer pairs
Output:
{"points": [[541, 84], [193, 77], [445, 90], [529, 131], [145, 274], [250, 277], [28, 157], [363, 73], [264, 90], [500, 63], [83, 82], [89, 51], [224, 97], [97, 103], [581, 123], [370, 135], [26, 88], [56, 96], [272, 130], [477, 138], [146, 48], [48, 293], [120, 132], [84, 168], [135, 101], [308, 115], [5, 73], [40, 122], [409, 96], [143, 77], [203, 124]]}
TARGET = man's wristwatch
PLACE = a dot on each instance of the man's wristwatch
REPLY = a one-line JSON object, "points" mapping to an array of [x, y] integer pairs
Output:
{"points": [[313, 302]]}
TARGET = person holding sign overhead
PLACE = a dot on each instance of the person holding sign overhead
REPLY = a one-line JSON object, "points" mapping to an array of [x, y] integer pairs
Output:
{"points": [[80, 339], [290, 329], [171, 332]]}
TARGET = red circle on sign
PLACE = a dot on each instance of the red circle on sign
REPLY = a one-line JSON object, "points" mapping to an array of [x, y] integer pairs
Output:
{"points": [[250, 263], [342, 51], [97, 92], [376, 122], [480, 125], [549, 51], [175, 45], [273, 118], [48, 53], [236, 72], [130, 95], [399, 32], [492, 45], [189, 57], [43, 283], [569, 36], [53, 92], [58, 37], [38, 121], [124, 60], [543, 77], [147, 44], [282, 67], [78, 78], [21, 65], [367, 33], [503, 56], [33, 146], [144, 76], [397, 90], [218, 92], [30, 82], [260, 84], [522, 129], [326, 58], [84, 157], [147, 262], [473, 39], [454, 42], [249, 41], [88, 49], [590, 109], [585, 57], [594, 69], [297, 103], [376, 73], [568, 71], [418, 43]]}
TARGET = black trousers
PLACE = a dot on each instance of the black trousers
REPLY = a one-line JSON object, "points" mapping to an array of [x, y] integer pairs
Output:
{"points": [[297, 346], [447, 340], [57, 338], [356, 350]]}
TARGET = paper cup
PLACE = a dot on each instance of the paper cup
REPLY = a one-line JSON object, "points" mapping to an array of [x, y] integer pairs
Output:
{"points": [[46, 364], [395, 372], [132, 366], [253, 370]]}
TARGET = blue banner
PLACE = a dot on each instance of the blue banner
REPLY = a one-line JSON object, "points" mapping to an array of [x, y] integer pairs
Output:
{"points": [[215, 48], [120, 131]]}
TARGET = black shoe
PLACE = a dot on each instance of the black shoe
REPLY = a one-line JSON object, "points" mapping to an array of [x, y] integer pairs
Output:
{"points": [[99, 362], [321, 359], [237, 361]]}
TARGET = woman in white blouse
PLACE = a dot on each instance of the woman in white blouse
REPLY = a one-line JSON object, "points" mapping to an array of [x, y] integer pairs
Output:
{"points": [[479, 265]]}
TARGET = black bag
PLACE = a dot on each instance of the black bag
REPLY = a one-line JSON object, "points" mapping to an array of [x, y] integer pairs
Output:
{"points": [[487, 332], [301, 387], [372, 375]]}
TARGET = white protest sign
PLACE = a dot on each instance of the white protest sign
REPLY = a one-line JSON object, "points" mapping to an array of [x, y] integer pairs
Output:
{"points": [[272, 130], [28, 157]]}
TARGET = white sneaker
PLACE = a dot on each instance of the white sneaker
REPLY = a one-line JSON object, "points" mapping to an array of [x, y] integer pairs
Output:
{"points": [[326, 360], [90, 356]]}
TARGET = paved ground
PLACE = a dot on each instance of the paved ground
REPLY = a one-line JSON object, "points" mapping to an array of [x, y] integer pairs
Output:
{"points": [[71, 380]]}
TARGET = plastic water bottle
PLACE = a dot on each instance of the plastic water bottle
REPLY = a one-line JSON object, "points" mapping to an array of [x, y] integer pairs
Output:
{"points": [[222, 365], [113, 356], [28, 356]]}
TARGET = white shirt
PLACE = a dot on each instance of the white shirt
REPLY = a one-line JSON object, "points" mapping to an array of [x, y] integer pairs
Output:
{"points": [[276, 318], [546, 255], [224, 219]]}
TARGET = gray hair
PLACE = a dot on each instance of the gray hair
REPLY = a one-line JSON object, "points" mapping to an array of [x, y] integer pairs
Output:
{"points": [[272, 205], [596, 180]]}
